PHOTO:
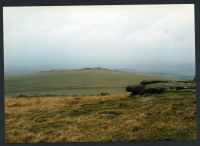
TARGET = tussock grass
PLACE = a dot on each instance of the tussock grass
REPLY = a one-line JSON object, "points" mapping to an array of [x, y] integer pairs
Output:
{"points": [[167, 116]]}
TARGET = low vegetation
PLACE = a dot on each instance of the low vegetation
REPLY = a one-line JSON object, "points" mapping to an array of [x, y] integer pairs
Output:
{"points": [[167, 116]]}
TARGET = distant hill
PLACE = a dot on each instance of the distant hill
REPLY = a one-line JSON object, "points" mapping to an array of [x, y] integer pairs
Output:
{"points": [[165, 74], [182, 70], [86, 81]]}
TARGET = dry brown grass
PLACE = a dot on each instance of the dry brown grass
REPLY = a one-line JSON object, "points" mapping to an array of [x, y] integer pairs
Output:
{"points": [[24, 104], [101, 118]]}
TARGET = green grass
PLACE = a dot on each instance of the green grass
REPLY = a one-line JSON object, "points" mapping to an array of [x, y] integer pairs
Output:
{"points": [[167, 116], [73, 82]]}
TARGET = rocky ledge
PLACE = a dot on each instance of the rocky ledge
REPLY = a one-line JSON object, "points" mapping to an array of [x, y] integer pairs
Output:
{"points": [[160, 86]]}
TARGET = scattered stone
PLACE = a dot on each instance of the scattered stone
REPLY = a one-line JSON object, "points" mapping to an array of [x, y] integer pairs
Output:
{"points": [[104, 93], [153, 90], [135, 89], [109, 113]]}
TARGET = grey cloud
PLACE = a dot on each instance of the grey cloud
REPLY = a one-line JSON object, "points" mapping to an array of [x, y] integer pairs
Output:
{"points": [[113, 36]]}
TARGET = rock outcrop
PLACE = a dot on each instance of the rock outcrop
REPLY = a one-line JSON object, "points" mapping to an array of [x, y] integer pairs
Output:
{"points": [[159, 86]]}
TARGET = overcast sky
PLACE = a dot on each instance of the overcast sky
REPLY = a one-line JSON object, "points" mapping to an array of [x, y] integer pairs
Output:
{"points": [[106, 36]]}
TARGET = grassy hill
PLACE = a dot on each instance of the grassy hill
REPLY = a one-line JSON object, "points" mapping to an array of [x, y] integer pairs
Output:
{"points": [[91, 81]]}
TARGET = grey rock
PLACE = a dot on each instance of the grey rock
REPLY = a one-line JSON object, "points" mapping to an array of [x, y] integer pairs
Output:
{"points": [[160, 86]]}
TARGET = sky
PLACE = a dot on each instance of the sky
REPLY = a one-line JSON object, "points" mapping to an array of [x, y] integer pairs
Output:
{"points": [[134, 37]]}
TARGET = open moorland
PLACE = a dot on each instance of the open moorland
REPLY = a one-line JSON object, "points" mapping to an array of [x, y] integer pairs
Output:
{"points": [[67, 106], [73, 82]]}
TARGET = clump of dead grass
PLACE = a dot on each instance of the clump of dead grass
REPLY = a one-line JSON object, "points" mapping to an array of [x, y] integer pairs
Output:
{"points": [[101, 118]]}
